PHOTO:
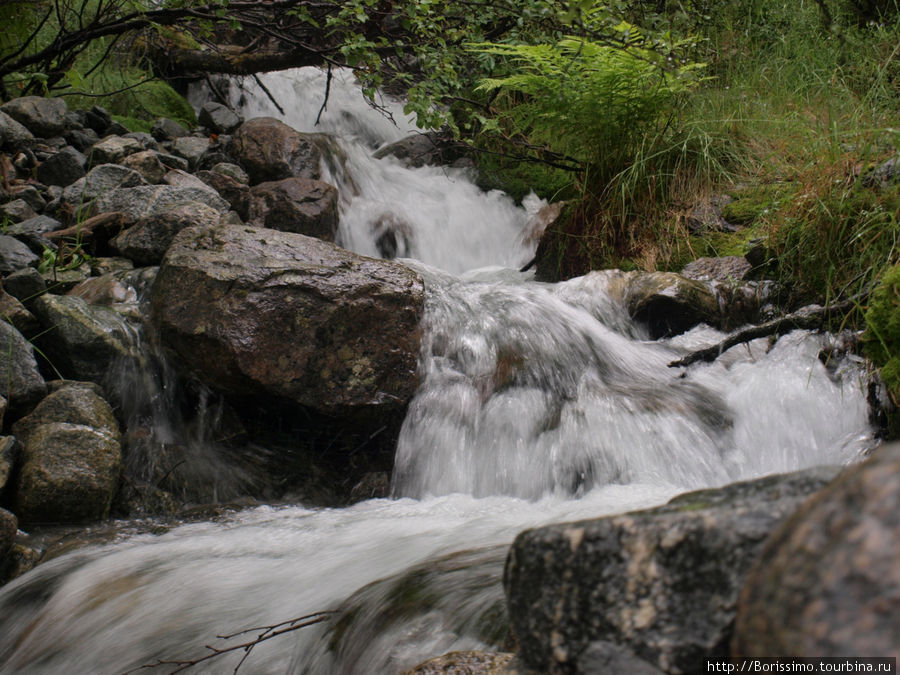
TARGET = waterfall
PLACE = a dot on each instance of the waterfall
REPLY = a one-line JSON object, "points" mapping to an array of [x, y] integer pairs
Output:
{"points": [[538, 403]]}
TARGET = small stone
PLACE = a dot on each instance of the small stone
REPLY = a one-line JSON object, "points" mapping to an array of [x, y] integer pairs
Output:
{"points": [[112, 150], [232, 171], [16, 211], [14, 255], [147, 164], [165, 129], [190, 148], [25, 284], [12, 134], [63, 168], [218, 118]]}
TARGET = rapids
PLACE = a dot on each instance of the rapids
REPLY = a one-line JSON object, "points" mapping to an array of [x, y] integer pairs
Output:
{"points": [[538, 403]]}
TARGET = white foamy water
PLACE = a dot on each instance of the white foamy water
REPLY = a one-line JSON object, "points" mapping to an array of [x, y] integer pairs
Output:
{"points": [[539, 403]]}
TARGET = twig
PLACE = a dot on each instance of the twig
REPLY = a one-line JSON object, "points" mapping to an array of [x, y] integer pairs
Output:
{"points": [[268, 93], [327, 93], [803, 318], [266, 633]]}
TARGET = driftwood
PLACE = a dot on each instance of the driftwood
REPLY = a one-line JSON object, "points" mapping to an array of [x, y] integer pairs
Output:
{"points": [[85, 230], [806, 318]]}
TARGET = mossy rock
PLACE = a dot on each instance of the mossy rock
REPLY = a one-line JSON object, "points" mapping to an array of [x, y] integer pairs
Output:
{"points": [[751, 203]]}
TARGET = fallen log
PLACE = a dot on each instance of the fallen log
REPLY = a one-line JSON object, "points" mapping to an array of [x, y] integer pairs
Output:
{"points": [[807, 318]]}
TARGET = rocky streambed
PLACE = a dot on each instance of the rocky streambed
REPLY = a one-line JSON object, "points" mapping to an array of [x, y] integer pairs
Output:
{"points": [[182, 329]]}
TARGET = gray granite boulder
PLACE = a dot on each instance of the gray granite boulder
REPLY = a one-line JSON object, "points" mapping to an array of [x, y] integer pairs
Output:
{"points": [[44, 117], [218, 118], [270, 150], [13, 135], [299, 205], [23, 384], [661, 584], [113, 149], [153, 200], [14, 255], [146, 241], [62, 168]]}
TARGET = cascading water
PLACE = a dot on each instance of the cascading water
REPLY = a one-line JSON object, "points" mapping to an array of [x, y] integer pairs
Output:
{"points": [[538, 403]]}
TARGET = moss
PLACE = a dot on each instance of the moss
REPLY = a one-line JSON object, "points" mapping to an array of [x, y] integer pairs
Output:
{"points": [[750, 203], [132, 123], [882, 337]]}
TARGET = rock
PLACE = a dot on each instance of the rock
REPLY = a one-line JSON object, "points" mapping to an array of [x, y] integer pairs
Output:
{"points": [[465, 663], [97, 119], [44, 117], [13, 136], [82, 139], [606, 657], [137, 499], [146, 241], [14, 255], [173, 162], [417, 150], [82, 341], [25, 284], [727, 268], [235, 193], [102, 266], [827, 581], [19, 560], [257, 310], [99, 181], [218, 118], [16, 211], [153, 200], [190, 148], [184, 179], [270, 150], [71, 456], [36, 225], [707, 215], [146, 140], [165, 129], [9, 451], [60, 281], [62, 168], [669, 304], [14, 312], [884, 175], [148, 164], [661, 584], [23, 384], [112, 150], [30, 195], [232, 171], [299, 205], [8, 528]]}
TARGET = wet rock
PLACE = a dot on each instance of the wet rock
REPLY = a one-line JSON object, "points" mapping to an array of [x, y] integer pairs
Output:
{"points": [[30, 195], [19, 560], [146, 241], [44, 117], [295, 205], [257, 310], [82, 341], [606, 657], [827, 581], [71, 455], [25, 284], [661, 584], [13, 136], [454, 598], [165, 129], [112, 150], [218, 118], [23, 383], [153, 200], [36, 225], [99, 181], [82, 139], [232, 171], [138, 499], [270, 150], [432, 147], [14, 255], [60, 281], [670, 304], [148, 164], [16, 211], [727, 268], [63, 168], [235, 193], [190, 148], [9, 451], [8, 528], [465, 663], [14, 312], [101, 266], [373, 485], [97, 119]]}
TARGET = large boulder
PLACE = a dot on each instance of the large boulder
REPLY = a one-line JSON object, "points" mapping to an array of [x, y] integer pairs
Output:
{"points": [[828, 580], [257, 310], [13, 136], [71, 456], [269, 150], [154, 200], [22, 381], [146, 241], [434, 148], [299, 205], [661, 584], [669, 304], [82, 341], [44, 117], [101, 180]]}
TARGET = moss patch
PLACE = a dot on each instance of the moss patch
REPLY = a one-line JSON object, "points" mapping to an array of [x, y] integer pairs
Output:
{"points": [[882, 338]]}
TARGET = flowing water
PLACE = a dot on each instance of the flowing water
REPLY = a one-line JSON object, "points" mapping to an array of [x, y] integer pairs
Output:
{"points": [[538, 403]]}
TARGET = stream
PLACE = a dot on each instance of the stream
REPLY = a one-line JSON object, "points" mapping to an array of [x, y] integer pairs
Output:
{"points": [[592, 423]]}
